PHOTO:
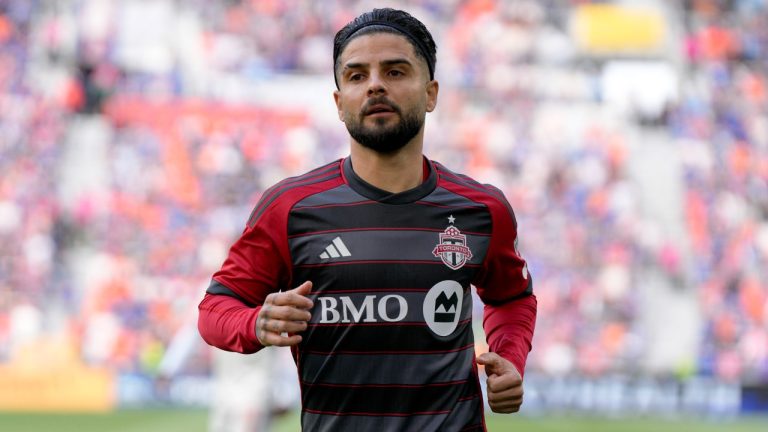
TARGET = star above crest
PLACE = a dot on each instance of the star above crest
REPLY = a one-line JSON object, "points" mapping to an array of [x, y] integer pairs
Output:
{"points": [[451, 219]]}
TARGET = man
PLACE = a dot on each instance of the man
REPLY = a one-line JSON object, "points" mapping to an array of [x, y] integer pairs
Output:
{"points": [[381, 247]]}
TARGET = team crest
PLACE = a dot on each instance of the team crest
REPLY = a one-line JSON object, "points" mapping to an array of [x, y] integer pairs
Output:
{"points": [[452, 248]]}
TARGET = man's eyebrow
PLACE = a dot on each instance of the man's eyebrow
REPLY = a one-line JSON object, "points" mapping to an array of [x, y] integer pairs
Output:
{"points": [[355, 66], [396, 61], [389, 62]]}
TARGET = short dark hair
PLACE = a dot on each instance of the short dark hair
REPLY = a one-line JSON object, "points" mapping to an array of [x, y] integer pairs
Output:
{"points": [[387, 20]]}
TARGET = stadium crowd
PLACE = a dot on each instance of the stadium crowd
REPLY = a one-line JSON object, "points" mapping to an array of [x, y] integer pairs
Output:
{"points": [[188, 156], [723, 128], [31, 130]]}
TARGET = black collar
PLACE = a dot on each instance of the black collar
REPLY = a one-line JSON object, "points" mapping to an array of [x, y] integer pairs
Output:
{"points": [[372, 192]]}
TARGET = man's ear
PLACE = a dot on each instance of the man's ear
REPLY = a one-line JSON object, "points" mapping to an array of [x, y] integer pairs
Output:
{"points": [[337, 100], [433, 87]]}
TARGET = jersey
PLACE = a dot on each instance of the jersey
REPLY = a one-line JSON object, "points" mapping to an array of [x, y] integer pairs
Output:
{"points": [[390, 342]]}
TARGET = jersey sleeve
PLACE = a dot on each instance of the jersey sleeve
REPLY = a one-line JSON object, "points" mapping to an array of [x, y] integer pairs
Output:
{"points": [[226, 323], [506, 288], [257, 262], [257, 265]]}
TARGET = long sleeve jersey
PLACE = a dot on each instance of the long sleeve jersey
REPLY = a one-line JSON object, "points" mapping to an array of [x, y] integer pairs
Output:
{"points": [[390, 343]]}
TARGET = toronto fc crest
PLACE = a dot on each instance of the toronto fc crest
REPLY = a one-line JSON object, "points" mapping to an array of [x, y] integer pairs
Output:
{"points": [[452, 248]]}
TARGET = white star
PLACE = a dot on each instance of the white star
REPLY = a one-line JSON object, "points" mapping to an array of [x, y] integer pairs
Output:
{"points": [[451, 219]]}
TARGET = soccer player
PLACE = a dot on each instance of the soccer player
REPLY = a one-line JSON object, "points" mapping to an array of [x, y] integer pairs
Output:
{"points": [[363, 266]]}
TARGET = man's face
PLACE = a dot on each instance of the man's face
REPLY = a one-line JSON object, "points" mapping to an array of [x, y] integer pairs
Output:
{"points": [[384, 91]]}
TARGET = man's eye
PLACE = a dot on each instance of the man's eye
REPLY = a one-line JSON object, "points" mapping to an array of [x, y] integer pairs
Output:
{"points": [[356, 77], [395, 72]]}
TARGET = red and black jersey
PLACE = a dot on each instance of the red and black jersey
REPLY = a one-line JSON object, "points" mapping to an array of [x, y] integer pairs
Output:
{"points": [[390, 343]]}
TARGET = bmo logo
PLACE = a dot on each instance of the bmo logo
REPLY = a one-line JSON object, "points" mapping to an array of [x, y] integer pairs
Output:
{"points": [[442, 307], [389, 308]]}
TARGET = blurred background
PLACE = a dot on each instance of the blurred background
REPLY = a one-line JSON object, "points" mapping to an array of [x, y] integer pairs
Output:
{"points": [[631, 137]]}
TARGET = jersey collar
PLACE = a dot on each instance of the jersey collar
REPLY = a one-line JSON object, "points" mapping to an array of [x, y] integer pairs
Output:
{"points": [[372, 192]]}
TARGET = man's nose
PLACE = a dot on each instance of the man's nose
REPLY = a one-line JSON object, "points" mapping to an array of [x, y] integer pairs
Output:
{"points": [[376, 84]]}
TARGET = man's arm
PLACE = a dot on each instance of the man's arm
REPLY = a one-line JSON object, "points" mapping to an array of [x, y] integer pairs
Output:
{"points": [[509, 317], [248, 304], [256, 268], [227, 323], [509, 329]]}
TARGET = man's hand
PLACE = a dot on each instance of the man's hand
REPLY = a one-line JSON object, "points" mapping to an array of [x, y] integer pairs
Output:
{"points": [[504, 384], [284, 312]]}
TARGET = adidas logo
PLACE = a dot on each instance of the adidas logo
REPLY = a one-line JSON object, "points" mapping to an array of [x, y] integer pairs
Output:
{"points": [[336, 249]]}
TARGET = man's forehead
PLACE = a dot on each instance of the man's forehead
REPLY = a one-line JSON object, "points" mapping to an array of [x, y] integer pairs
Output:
{"points": [[377, 46]]}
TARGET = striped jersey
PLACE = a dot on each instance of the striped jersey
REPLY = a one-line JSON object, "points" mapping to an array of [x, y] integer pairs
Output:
{"points": [[390, 342]]}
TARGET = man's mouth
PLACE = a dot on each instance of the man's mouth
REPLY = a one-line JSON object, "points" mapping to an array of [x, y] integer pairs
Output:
{"points": [[379, 109]]}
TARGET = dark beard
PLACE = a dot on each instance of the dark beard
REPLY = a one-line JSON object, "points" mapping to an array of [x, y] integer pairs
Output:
{"points": [[387, 140]]}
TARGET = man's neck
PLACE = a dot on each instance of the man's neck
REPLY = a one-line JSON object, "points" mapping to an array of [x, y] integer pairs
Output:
{"points": [[395, 173]]}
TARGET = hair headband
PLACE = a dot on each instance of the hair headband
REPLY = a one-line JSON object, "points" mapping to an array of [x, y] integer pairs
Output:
{"points": [[418, 43]]}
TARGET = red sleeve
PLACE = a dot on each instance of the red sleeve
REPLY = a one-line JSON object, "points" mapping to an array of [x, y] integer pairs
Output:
{"points": [[225, 322], [255, 267], [505, 287], [257, 264], [509, 329]]}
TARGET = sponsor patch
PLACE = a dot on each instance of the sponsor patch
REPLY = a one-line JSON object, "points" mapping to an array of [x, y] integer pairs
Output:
{"points": [[442, 307]]}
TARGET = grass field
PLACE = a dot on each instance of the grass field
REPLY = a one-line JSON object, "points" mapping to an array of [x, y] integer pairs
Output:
{"points": [[196, 421]]}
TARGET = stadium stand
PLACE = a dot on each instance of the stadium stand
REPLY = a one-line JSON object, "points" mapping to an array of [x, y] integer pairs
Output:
{"points": [[136, 136]]}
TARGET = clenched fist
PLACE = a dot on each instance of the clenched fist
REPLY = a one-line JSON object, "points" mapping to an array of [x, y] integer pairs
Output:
{"points": [[504, 384], [284, 312]]}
